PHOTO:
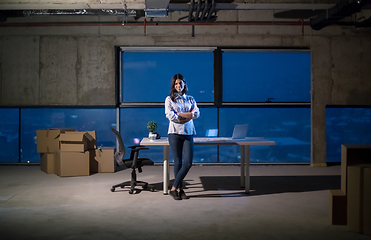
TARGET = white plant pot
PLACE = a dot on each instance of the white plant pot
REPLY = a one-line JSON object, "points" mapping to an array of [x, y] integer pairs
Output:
{"points": [[152, 136]]}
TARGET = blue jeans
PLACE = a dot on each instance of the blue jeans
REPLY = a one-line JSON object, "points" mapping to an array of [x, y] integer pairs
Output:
{"points": [[181, 144]]}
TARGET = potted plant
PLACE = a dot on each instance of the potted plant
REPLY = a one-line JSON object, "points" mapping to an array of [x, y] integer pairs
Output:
{"points": [[152, 127]]}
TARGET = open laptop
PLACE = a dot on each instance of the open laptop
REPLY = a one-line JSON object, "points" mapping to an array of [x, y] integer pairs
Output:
{"points": [[240, 131], [212, 133]]}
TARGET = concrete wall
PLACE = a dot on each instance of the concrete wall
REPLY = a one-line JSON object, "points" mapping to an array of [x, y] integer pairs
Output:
{"points": [[75, 65]]}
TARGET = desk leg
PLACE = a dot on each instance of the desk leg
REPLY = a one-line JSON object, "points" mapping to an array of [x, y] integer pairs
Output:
{"points": [[242, 160], [247, 168], [166, 169]]}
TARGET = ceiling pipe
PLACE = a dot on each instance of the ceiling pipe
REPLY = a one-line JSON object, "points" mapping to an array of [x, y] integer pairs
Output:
{"points": [[212, 9], [191, 9], [206, 9], [198, 10]]}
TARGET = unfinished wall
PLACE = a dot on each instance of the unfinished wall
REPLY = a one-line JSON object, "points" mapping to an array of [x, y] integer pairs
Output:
{"points": [[20, 70], [75, 65]]}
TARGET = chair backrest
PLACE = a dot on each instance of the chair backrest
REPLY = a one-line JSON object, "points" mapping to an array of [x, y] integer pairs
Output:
{"points": [[119, 155]]}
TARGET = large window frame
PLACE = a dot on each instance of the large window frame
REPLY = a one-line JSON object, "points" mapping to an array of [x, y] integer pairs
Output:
{"points": [[218, 102]]}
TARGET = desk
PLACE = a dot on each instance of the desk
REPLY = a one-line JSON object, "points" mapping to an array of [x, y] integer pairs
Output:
{"points": [[244, 148]]}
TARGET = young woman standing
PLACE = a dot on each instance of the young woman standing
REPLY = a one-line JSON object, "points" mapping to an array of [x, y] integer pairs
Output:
{"points": [[181, 109]]}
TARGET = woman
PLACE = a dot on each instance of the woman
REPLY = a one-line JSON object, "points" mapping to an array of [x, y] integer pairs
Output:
{"points": [[180, 109]]}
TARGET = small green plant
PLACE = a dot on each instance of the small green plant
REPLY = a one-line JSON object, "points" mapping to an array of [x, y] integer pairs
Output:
{"points": [[152, 126]]}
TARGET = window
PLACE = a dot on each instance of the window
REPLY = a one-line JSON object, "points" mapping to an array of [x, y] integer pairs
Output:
{"points": [[255, 76], [346, 126], [288, 127], [146, 76], [270, 91], [9, 135]]}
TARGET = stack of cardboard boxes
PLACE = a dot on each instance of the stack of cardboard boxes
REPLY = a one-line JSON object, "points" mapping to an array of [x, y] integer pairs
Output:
{"points": [[350, 205], [359, 198], [68, 153]]}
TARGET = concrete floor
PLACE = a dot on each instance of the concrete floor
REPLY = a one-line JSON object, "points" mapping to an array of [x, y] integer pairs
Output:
{"points": [[286, 202]]}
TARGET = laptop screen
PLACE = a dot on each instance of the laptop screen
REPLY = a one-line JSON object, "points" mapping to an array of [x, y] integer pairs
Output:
{"points": [[212, 133], [240, 131]]}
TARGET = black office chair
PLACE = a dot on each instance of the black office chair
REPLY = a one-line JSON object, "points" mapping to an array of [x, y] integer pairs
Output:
{"points": [[134, 162]]}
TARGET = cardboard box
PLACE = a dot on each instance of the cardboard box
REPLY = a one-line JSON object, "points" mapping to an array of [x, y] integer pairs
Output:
{"points": [[47, 139], [93, 163], [367, 201], [352, 154], [338, 207], [77, 141], [73, 147], [69, 164], [47, 162], [105, 159], [358, 198]]}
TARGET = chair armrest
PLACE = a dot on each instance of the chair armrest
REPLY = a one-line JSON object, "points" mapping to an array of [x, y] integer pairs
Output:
{"points": [[136, 146], [137, 149], [135, 152]]}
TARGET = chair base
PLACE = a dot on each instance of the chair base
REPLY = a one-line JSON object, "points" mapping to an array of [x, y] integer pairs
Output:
{"points": [[133, 183], [132, 186]]}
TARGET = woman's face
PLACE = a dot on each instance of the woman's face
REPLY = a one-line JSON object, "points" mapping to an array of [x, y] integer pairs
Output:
{"points": [[179, 85]]}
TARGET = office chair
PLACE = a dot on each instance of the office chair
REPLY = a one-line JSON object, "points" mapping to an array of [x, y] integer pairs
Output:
{"points": [[134, 162]]}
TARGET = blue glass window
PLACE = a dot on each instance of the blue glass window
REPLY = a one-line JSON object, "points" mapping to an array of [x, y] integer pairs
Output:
{"points": [[32, 119], [288, 127], [133, 127], [146, 76], [346, 126], [9, 135], [257, 76]]}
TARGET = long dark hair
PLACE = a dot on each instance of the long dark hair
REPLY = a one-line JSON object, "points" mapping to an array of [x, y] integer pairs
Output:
{"points": [[173, 91]]}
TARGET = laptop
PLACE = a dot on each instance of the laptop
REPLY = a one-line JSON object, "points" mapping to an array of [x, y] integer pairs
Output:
{"points": [[212, 133], [240, 131]]}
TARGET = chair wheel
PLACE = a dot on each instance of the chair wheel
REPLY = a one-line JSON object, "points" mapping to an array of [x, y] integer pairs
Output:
{"points": [[152, 189], [145, 186], [112, 189], [131, 191]]}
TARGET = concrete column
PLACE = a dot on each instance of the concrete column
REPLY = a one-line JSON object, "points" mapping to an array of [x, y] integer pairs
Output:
{"points": [[320, 94]]}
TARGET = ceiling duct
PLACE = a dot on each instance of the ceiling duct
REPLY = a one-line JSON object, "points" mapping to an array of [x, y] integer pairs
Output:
{"points": [[202, 11], [343, 9], [156, 8]]}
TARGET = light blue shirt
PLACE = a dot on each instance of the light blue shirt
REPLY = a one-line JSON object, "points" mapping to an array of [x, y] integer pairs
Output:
{"points": [[184, 103]]}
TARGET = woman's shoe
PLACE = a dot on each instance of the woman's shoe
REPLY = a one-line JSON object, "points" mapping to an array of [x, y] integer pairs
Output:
{"points": [[183, 195], [174, 194]]}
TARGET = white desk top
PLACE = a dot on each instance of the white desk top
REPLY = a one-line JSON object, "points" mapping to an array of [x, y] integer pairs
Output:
{"points": [[213, 141]]}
